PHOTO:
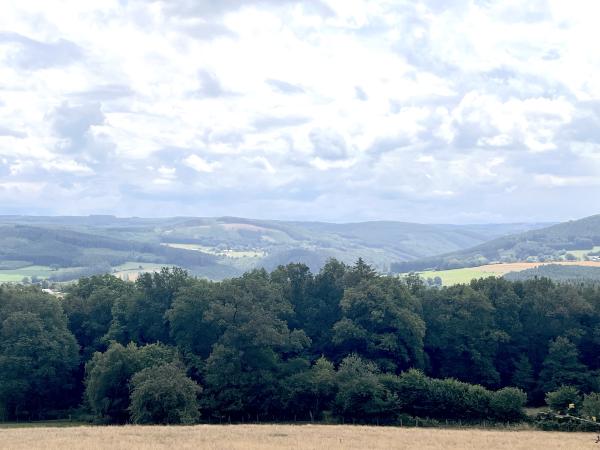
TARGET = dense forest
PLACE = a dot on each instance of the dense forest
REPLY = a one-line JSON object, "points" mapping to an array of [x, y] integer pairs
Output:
{"points": [[558, 272], [344, 344]]}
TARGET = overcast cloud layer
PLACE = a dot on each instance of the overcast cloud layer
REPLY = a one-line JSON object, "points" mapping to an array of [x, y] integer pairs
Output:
{"points": [[340, 110]]}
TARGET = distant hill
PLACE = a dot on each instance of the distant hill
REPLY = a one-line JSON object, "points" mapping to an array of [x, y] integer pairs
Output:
{"points": [[556, 272], [553, 243], [64, 247]]}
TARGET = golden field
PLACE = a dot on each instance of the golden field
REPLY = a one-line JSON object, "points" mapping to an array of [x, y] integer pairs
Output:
{"points": [[465, 275], [270, 437]]}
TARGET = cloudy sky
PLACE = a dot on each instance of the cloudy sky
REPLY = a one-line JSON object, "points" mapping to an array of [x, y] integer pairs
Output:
{"points": [[340, 110]]}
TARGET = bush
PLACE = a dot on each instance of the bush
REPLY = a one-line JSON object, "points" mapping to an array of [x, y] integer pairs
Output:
{"points": [[561, 399], [422, 396], [591, 405], [414, 393], [507, 404], [164, 395], [363, 393], [108, 376], [452, 399], [552, 422]]}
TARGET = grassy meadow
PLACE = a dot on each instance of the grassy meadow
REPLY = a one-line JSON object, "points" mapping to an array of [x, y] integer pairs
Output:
{"points": [[131, 270], [218, 252], [270, 437], [17, 275], [581, 254]]}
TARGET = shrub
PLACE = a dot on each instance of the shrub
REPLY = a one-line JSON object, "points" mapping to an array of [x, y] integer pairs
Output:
{"points": [[591, 405], [414, 393], [363, 393], [164, 395], [453, 399], [561, 399], [476, 401], [507, 404], [108, 376], [422, 396]]}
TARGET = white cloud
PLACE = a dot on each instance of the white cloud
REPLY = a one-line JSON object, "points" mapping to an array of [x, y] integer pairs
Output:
{"points": [[199, 164], [69, 166], [433, 110]]}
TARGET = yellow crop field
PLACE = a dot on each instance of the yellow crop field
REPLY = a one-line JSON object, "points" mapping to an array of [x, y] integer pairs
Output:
{"points": [[271, 437], [456, 276]]}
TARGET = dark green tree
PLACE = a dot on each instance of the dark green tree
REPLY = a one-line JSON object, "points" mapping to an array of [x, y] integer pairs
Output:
{"points": [[564, 399], [329, 285], [108, 376], [163, 394], [381, 322], [507, 404], [243, 369], [361, 395], [140, 316], [523, 374], [307, 391], [38, 354], [360, 272], [562, 367], [462, 337], [190, 330], [591, 405], [88, 306]]}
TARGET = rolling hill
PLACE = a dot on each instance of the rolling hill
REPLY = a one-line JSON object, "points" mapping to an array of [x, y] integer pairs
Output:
{"points": [[563, 241], [559, 273], [65, 247]]}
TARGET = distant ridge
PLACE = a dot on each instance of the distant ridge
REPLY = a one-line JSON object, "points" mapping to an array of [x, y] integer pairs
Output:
{"points": [[542, 244], [218, 247]]}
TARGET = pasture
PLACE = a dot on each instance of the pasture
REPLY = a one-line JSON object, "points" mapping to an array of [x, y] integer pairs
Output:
{"points": [[581, 254], [229, 253], [130, 271], [270, 437], [465, 275], [17, 275]]}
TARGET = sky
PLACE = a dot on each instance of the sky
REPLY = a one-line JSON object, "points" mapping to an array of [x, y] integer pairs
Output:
{"points": [[440, 111]]}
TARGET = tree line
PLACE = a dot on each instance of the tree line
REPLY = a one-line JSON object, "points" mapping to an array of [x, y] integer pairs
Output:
{"points": [[344, 344]]}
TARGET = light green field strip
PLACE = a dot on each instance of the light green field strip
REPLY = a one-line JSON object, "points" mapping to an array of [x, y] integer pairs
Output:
{"points": [[458, 276], [579, 254], [29, 271], [218, 252]]}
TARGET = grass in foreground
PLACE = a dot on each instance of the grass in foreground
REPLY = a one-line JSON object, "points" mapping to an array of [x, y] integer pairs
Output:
{"points": [[270, 437]]}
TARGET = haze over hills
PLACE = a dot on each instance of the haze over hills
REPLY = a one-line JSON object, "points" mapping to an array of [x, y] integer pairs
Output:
{"points": [[553, 243], [66, 247]]}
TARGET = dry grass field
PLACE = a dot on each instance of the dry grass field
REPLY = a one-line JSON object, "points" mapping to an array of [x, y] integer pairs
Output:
{"points": [[270, 437], [465, 275]]}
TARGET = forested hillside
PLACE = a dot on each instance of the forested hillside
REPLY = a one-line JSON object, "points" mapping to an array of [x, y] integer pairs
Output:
{"points": [[545, 244], [560, 273], [343, 344], [65, 248]]}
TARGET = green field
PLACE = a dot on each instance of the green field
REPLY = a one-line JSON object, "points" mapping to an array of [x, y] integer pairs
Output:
{"points": [[17, 275], [580, 254], [218, 252], [44, 272], [458, 276], [131, 270]]}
